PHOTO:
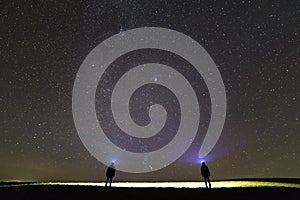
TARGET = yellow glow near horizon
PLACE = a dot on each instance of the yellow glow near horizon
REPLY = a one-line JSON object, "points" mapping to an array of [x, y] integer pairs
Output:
{"points": [[217, 184], [214, 184]]}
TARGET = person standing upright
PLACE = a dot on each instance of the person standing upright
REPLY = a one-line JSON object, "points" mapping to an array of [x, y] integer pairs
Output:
{"points": [[206, 174], [110, 174]]}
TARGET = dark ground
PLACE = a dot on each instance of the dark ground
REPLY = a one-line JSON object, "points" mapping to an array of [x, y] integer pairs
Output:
{"points": [[97, 192]]}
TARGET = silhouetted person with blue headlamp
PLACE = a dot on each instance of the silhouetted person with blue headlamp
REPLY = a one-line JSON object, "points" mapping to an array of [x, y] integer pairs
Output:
{"points": [[110, 173], [206, 174]]}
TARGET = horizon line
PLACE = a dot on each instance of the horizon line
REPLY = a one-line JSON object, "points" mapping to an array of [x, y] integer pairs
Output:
{"points": [[181, 184]]}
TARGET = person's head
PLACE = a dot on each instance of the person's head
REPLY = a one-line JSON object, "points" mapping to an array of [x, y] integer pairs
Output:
{"points": [[203, 163]]}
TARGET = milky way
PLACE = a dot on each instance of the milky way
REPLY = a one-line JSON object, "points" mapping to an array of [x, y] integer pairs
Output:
{"points": [[255, 46]]}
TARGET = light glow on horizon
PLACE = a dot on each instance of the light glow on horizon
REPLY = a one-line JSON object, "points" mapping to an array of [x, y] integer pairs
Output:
{"points": [[215, 184]]}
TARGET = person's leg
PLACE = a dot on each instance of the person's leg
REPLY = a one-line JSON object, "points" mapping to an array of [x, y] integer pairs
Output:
{"points": [[106, 181], [205, 180], [110, 180], [209, 182]]}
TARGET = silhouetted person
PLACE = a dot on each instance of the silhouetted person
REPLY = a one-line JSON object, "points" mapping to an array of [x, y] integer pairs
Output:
{"points": [[110, 173], [206, 174]]}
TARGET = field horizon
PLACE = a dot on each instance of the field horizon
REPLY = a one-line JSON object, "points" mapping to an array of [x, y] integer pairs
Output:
{"points": [[88, 190], [284, 180]]}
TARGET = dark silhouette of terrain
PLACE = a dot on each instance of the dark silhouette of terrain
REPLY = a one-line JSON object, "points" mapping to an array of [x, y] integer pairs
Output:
{"points": [[36, 191]]}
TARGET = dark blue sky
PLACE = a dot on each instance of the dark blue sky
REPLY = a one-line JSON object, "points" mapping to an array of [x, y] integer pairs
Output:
{"points": [[255, 44]]}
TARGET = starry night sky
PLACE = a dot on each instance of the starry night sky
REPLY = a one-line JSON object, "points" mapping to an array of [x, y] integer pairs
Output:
{"points": [[255, 44]]}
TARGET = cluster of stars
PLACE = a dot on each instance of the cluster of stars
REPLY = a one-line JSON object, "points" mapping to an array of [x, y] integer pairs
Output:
{"points": [[255, 46]]}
